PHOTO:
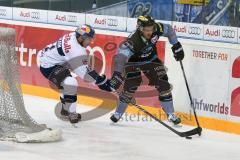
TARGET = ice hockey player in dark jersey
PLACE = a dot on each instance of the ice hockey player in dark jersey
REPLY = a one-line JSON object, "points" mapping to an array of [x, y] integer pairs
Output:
{"points": [[139, 54]]}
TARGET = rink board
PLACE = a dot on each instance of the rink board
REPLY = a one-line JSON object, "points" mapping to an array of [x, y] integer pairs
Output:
{"points": [[211, 68]]}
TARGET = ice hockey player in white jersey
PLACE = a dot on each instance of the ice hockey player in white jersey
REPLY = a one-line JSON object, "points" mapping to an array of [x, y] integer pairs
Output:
{"points": [[138, 54], [66, 55]]}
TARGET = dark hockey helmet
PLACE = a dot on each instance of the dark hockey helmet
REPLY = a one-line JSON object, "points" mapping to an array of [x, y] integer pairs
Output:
{"points": [[86, 31], [144, 21]]}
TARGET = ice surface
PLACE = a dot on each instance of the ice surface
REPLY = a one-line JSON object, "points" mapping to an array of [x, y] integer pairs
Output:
{"points": [[100, 140]]}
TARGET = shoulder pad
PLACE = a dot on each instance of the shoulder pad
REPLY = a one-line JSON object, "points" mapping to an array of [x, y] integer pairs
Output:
{"points": [[127, 44]]}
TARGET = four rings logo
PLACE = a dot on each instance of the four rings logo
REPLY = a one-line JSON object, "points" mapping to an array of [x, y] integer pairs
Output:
{"points": [[194, 30], [71, 18], [228, 33], [112, 22], [3, 12], [35, 15]]}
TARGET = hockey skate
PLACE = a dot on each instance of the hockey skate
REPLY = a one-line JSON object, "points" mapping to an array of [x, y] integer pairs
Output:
{"points": [[115, 118], [174, 119], [74, 117], [64, 115]]}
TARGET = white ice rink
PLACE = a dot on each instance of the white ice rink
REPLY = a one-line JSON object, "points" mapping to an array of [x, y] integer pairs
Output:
{"points": [[100, 140]]}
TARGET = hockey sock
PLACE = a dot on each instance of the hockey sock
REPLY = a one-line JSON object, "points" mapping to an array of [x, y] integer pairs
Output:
{"points": [[121, 108], [167, 107]]}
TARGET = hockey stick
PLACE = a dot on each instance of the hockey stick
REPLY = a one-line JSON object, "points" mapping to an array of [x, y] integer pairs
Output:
{"points": [[181, 134], [190, 97]]}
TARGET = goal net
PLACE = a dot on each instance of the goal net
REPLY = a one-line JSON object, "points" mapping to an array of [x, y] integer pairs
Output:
{"points": [[15, 123]]}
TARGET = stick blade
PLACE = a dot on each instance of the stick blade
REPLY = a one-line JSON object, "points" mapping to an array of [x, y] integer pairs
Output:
{"points": [[194, 131]]}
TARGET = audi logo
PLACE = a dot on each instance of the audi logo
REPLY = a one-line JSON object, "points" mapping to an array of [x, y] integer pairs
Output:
{"points": [[194, 30], [112, 22], [3, 12], [35, 15], [71, 18], [228, 33]]}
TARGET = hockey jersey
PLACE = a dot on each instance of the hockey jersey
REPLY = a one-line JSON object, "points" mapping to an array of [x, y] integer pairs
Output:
{"points": [[65, 51]]}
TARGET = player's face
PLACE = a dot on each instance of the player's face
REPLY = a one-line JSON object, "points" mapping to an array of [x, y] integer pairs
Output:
{"points": [[148, 32], [87, 42]]}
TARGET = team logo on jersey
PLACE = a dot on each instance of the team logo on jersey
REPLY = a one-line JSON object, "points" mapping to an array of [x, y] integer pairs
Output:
{"points": [[66, 44]]}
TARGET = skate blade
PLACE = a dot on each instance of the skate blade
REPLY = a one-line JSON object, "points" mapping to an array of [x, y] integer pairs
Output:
{"points": [[173, 125], [177, 125]]}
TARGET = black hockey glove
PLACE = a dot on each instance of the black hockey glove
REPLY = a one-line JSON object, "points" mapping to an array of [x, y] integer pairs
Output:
{"points": [[178, 51], [101, 81], [116, 80]]}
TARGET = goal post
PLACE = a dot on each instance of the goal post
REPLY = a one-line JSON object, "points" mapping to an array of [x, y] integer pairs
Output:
{"points": [[15, 123]]}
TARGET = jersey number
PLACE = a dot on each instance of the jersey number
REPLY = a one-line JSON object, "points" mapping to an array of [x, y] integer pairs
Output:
{"points": [[50, 47]]}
